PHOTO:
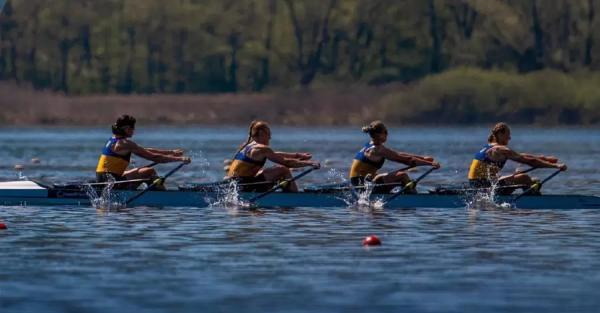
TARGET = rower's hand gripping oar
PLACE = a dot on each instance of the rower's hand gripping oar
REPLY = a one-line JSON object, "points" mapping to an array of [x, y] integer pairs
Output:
{"points": [[538, 185], [283, 183], [411, 185], [157, 181]]}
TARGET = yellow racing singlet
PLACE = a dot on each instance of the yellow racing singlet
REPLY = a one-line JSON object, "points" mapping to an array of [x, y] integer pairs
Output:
{"points": [[363, 166], [243, 165], [483, 167], [110, 162]]}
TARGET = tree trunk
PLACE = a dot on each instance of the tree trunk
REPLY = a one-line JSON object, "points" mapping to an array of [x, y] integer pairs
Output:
{"points": [[234, 42], [64, 47], [589, 41], [264, 78], [465, 18], [126, 86], [436, 39], [538, 34], [180, 61]]}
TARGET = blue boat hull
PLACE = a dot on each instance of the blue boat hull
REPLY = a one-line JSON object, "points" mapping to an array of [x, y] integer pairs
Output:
{"points": [[176, 198]]}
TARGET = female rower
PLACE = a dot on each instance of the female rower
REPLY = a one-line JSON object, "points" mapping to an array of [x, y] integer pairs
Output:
{"points": [[372, 156], [488, 162], [248, 169], [116, 156]]}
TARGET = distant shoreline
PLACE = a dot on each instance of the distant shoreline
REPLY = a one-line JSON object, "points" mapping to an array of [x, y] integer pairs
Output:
{"points": [[462, 97]]}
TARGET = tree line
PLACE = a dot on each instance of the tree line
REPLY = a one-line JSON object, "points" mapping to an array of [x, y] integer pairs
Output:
{"points": [[210, 46]]}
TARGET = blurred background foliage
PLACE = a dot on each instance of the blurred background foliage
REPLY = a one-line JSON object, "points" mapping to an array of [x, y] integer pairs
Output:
{"points": [[510, 57]]}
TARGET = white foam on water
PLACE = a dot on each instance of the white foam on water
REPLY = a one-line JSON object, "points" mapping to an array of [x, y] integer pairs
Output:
{"points": [[361, 198], [485, 199], [20, 176], [228, 196], [106, 201]]}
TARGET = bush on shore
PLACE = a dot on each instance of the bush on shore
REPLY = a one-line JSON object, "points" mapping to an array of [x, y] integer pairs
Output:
{"points": [[469, 95]]}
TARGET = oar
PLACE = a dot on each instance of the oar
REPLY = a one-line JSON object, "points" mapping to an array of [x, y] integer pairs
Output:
{"points": [[282, 184], [155, 182], [353, 188], [537, 186], [117, 182], [412, 184]]}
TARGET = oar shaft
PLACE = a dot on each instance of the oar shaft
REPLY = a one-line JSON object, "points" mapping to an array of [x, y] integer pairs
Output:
{"points": [[117, 182], [414, 183], [281, 184], [156, 181], [539, 185]]}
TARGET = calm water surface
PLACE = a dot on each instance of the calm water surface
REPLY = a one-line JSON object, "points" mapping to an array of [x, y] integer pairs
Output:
{"points": [[63, 259]]}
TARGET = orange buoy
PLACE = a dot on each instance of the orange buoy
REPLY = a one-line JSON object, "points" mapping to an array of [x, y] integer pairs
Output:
{"points": [[3, 226], [371, 241]]}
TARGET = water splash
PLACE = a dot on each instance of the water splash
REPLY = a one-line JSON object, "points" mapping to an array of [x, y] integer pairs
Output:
{"points": [[485, 199], [20, 176], [334, 176], [106, 201], [228, 196], [360, 198]]}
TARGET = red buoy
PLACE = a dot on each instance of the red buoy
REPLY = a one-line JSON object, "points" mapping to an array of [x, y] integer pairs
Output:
{"points": [[2, 225], [371, 241]]}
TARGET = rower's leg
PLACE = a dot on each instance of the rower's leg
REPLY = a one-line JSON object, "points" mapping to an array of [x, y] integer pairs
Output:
{"points": [[390, 178], [519, 179], [280, 173], [139, 173]]}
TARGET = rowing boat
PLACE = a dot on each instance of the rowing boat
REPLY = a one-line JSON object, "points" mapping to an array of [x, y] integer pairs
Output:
{"points": [[31, 193]]}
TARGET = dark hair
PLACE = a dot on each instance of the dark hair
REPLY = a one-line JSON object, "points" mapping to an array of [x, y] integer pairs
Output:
{"points": [[500, 128], [253, 130], [118, 128], [376, 127]]}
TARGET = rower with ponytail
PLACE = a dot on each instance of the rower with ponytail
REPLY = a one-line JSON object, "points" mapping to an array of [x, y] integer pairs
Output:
{"points": [[247, 167], [489, 161], [372, 156]]}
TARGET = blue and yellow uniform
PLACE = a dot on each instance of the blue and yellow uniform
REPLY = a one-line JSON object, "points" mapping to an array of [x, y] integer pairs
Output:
{"points": [[243, 165], [110, 162], [363, 166], [483, 169]]}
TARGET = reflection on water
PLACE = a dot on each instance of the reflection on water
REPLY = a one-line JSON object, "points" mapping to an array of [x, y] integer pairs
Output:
{"points": [[62, 259]]}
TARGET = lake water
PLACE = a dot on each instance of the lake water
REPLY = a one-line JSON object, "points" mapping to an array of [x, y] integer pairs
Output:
{"points": [[62, 259]]}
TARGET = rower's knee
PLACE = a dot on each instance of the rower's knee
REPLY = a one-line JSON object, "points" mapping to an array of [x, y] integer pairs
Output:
{"points": [[523, 179], [284, 172], [147, 172], [401, 177]]}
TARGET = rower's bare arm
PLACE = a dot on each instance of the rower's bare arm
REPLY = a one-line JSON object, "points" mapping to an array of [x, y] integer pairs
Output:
{"points": [[550, 159], [276, 157], [529, 159], [155, 157], [295, 155], [407, 158], [176, 152]]}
